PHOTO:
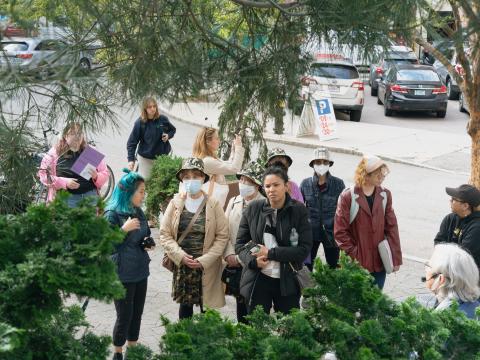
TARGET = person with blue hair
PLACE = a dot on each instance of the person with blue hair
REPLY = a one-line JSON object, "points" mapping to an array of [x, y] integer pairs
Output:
{"points": [[131, 258]]}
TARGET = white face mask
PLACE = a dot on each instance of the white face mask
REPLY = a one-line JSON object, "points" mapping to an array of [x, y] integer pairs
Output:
{"points": [[246, 190], [321, 169]]}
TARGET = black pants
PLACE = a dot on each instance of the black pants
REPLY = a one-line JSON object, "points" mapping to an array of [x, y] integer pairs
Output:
{"points": [[129, 313], [242, 310], [185, 311], [267, 291], [332, 254]]}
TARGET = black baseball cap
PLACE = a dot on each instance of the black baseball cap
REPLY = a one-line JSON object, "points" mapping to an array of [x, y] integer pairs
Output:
{"points": [[466, 193]]}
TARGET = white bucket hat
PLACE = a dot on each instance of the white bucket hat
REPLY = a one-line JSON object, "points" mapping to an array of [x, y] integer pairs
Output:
{"points": [[321, 153]]}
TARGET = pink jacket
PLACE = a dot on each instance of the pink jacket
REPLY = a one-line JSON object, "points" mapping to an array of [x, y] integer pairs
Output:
{"points": [[50, 179]]}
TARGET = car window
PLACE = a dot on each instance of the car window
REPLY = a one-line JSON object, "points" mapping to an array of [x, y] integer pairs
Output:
{"points": [[334, 71], [14, 46], [49, 45], [401, 56], [417, 75], [391, 75]]}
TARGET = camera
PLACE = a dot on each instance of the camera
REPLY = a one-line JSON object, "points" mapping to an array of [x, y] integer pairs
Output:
{"points": [[148, 242]]}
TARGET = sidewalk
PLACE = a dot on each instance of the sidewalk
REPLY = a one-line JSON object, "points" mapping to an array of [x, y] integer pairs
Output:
{"points": [[422, 148], [101, 316]]}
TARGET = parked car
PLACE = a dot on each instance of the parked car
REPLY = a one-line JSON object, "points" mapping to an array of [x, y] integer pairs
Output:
{"points": [[453, 90], [41, 55], [463, 104], [412, 88], [332, 76], [396, 55]]}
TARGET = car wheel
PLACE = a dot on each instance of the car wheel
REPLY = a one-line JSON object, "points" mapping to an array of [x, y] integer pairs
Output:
{"points": [[452, 94], [373, 91], [386, 110], [84, 65], [355, 115], [441, 114]]}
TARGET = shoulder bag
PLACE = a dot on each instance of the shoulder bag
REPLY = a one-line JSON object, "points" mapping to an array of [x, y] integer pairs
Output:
{"points": [[168, 263]]}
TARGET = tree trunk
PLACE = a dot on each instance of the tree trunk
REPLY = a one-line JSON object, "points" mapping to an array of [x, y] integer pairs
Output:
{"points": [[475, 160]]}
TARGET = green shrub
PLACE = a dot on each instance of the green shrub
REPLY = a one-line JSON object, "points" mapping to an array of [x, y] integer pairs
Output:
{"points": [[45, 254], [162, 184], [347, 315]]}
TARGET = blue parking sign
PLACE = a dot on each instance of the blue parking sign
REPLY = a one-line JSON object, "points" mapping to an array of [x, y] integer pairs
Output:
{"points": [[323, 107]]}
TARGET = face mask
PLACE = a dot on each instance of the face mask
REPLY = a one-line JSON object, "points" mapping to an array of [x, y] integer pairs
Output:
{"points": [[193, 186], [321, 169], [246, 190]]}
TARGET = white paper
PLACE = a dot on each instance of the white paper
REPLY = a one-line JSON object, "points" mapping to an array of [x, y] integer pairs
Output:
{"points": [[86, 171]]}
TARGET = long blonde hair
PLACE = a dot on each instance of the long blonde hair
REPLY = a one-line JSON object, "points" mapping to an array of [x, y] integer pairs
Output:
{"points": [[62, 147], [200, 146], [148, 101]]}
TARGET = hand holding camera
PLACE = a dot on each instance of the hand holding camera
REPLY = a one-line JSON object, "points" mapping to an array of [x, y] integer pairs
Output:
{"points": [[148, 243]]}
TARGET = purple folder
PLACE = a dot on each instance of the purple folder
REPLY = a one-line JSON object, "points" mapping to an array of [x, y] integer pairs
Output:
{"points": [[89, 160]]}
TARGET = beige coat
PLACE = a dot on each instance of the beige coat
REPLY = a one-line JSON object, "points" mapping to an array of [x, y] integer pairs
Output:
{"points": [[216, 237], [234, 213], [221, 168]]}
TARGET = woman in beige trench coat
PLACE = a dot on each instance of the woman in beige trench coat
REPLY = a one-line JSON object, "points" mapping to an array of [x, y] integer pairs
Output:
{"points": [[198, 259]]}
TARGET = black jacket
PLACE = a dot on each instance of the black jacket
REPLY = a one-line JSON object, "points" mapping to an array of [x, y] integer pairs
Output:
{"points": [[464, 232], [293, 215], [149, 135], [322, 206], [132, 261]]}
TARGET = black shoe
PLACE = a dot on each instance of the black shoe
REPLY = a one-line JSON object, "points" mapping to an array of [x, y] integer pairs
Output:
{"points": [[117, 356]]}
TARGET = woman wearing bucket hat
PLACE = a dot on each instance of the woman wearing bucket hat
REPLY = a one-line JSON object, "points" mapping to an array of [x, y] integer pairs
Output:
{"points": [[131, 259], [194, 233], [365, 218], [321, 192], [206, 147], [278, 157], [250, 189]]}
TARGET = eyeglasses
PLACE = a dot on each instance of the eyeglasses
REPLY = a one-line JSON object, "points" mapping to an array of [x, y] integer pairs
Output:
{"points": [[424, 278]]}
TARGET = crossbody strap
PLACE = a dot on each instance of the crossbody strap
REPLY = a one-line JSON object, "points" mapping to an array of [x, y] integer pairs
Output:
{"points": [[195, 217]]}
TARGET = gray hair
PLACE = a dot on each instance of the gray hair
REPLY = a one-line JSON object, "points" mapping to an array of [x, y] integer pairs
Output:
{"points": [[460, 271]]}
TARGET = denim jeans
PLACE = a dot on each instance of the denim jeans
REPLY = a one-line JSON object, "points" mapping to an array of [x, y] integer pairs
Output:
{"points": [[74, 199]]}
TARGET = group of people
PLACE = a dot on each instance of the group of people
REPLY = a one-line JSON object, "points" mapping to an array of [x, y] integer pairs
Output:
{"points": [[266, 234]]}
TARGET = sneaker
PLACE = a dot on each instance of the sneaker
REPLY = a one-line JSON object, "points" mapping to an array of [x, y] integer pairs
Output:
{"points": [[117, 356]]}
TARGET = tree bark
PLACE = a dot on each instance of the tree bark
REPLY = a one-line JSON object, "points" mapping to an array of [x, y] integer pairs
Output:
{"points": [[475, 159]]}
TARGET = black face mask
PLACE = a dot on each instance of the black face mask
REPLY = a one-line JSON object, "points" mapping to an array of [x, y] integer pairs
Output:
{"points": [[279, 164]]}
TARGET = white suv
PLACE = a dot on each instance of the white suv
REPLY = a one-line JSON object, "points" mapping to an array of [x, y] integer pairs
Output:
{"points": [[332, 76]]}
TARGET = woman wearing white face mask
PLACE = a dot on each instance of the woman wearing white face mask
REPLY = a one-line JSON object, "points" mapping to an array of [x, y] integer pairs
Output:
{"points": [[250, 186], [193, 233], [321, 192]]}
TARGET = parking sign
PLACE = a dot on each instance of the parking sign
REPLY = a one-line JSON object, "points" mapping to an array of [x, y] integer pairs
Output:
{"points": [[325, 120]]}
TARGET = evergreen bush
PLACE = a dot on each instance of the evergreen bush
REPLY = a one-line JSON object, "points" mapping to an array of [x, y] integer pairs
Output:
{"points": [[47, 253], [162, 184]]}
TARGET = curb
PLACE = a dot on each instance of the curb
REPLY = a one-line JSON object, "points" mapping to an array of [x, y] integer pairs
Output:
{"points": [[341, 150]]}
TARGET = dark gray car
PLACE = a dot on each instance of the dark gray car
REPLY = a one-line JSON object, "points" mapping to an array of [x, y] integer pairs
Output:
{"points": [[453, 91], [412, 88], [396, 55]]}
